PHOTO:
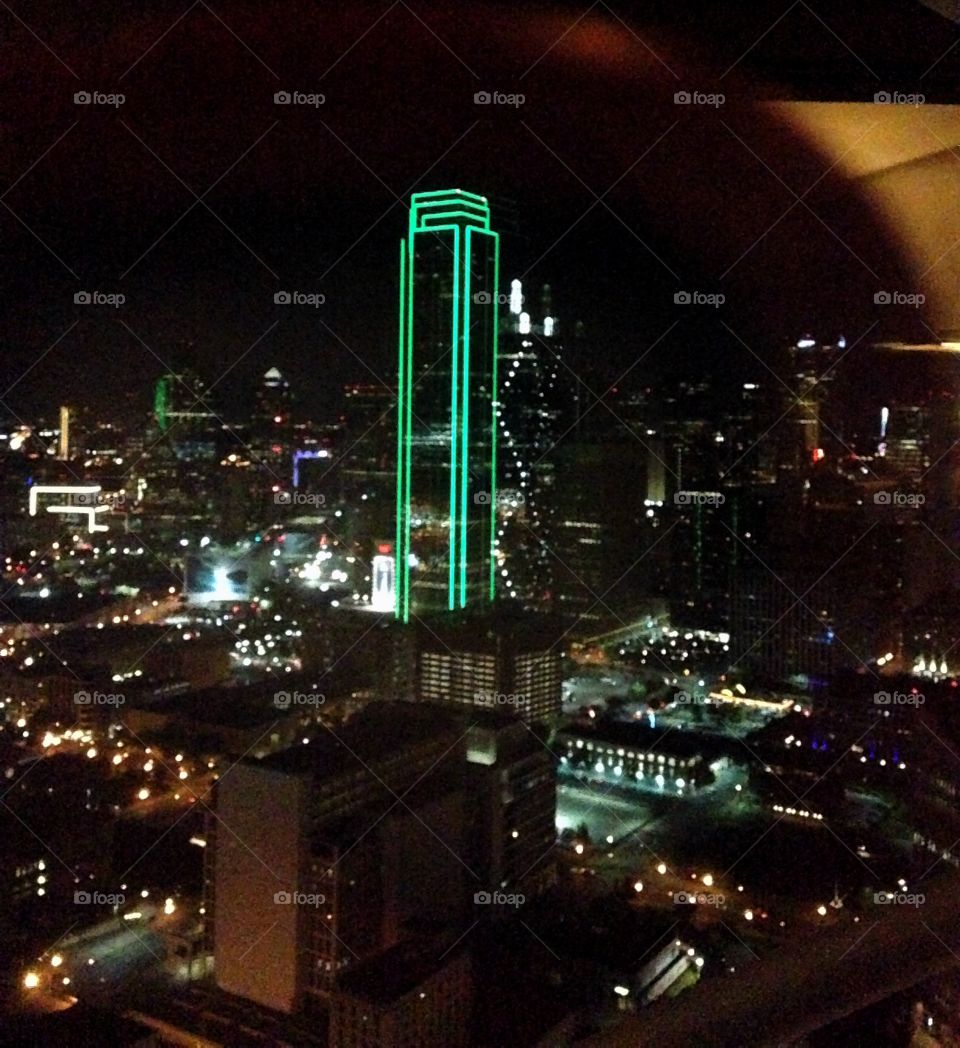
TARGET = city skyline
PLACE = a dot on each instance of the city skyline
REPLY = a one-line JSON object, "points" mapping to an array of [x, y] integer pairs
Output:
{"points": [[479, 559]]}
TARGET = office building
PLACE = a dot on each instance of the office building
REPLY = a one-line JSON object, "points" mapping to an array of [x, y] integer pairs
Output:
{"points": [[503, 661], [446, 433]]}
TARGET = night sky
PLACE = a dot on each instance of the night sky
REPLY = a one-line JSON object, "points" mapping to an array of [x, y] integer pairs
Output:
{"points": [[601, 185]]}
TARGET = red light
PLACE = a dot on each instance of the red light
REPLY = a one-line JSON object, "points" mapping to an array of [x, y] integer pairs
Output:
{"points": [[384, 547], [818, 454]]}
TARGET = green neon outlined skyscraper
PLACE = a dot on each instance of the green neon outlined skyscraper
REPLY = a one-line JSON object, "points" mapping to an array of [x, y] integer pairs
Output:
{"points": [[446, 412]]}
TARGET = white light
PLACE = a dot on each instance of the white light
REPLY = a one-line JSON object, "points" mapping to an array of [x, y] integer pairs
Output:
{"points": [[516, 297]]}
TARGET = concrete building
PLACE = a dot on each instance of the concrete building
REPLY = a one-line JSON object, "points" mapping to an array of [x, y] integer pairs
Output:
{"points": [[414, 994]]}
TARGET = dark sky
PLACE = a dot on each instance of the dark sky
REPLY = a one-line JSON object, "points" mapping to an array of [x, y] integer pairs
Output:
{"points": [[296, 197]]}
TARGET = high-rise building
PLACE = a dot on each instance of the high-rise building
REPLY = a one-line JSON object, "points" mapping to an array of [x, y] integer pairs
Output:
{"points": [[184, 418], [537, 404], [336, 890], [271, 431], [321, 858], [446, 432], [507, 662]]}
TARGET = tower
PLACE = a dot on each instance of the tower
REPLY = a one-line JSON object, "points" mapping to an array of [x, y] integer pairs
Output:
{"points": [[446, 405]]}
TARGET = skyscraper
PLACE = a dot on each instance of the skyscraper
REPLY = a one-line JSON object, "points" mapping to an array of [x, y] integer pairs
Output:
{"points": [[446, 433]]}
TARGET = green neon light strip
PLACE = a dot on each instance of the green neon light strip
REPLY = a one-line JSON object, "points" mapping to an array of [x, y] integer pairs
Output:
{"points": [[427, 219], [465, 420], [402, 450], [454, 416], [493, 415], [409, 429], [432, 193], [161, 399]]}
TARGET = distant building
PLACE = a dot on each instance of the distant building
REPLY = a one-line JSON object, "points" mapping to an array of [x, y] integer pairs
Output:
{"points": [[502, 661]]}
